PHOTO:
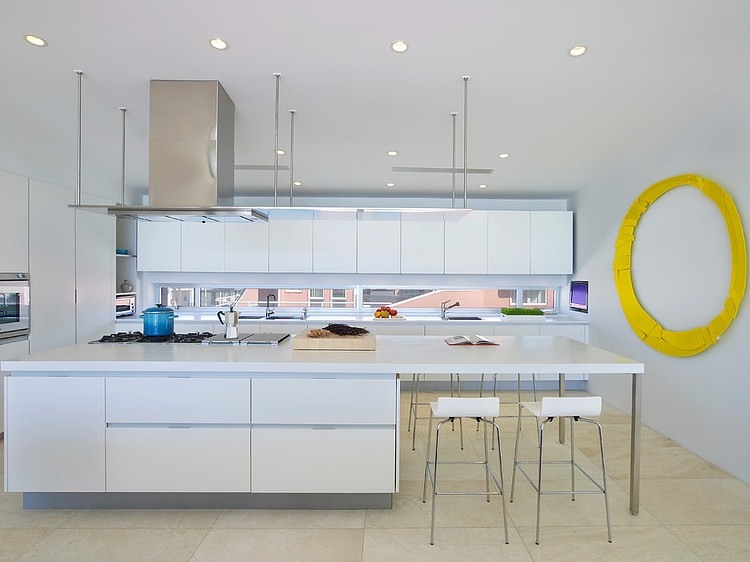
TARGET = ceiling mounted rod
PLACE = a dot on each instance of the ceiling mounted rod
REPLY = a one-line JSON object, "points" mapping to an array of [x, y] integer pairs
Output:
{"points": [[122, 178], [276, 145], [80, 140], [453, 166], [466, 144], [291, 157]]}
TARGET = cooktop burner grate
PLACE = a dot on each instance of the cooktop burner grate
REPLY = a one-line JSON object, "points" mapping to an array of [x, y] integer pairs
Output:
{"points": [[139, 337]]}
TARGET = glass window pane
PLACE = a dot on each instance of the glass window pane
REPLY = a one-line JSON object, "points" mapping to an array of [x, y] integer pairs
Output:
{"points": [[177, 296]]}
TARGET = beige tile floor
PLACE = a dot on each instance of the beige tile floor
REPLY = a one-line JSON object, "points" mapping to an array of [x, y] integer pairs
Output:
{"points": [[690, 510]]}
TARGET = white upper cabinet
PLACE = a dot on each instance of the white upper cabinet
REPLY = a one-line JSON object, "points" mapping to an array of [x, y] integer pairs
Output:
{"points": [[290, 240], [422, 242], [551, 242], [159, 246], [246, 246], [466, 242], [379, 242], [335, 242], [508, 242], [14, 227], [202, 246]]}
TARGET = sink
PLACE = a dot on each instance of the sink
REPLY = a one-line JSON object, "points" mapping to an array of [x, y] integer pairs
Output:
{"points": [[462, 318], [251, 316], [283, 317]]}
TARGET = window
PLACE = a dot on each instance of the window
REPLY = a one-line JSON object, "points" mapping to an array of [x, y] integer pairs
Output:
{"points": [[490, 299]]}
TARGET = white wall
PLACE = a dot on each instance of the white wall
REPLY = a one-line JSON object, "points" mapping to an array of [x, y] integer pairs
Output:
{"points": [[681, 251]]}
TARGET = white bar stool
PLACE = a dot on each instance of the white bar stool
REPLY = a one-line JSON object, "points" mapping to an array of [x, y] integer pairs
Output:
{"points": [[450, 409], [548, 409], [414, 405]]}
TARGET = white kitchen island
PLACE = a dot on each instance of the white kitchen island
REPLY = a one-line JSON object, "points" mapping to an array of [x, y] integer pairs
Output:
{"points": [[134, 425]]}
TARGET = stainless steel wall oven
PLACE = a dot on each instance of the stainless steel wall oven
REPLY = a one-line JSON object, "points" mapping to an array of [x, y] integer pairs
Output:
{"points": [[14, 305]]}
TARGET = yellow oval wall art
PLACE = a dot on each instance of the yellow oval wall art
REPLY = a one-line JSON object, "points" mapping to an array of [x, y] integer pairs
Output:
{"points": [[695, 340]]}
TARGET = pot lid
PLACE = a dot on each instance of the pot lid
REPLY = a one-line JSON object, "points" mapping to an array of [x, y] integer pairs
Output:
{"points": [[159, 309]]}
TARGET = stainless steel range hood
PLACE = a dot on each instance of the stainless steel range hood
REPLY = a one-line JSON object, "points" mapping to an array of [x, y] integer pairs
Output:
{"points": [[191, 155]]}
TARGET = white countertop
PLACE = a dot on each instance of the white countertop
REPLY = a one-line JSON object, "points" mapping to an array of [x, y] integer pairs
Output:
{"points": [[394, 354]]}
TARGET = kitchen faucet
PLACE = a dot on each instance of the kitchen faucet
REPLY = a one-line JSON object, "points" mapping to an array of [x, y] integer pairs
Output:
{"points": [[269, 310], [443, 308]]}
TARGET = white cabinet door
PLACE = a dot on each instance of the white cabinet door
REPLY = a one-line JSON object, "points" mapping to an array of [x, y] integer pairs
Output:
{"points": [[14, 226], [55, 434], [324, 401], [335, 242], [246, 247], [178, 459], [379, 242], [9, 351], [159, 246], [324, 459], [182, 400], [202, 247], [52, 254], [422, 243], [290, 241], [576, 332], [551, 242], [508, 242], [466, 242], [95, 275]]}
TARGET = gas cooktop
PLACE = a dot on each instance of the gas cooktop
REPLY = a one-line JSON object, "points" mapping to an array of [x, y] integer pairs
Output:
{"points": [[138, 337]]}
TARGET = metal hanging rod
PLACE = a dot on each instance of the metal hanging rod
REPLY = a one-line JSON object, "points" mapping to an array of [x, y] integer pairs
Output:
{"points": [[292, 113], [122, 179], [466, 143], [80, 140], [276, 145], [453, 165]]}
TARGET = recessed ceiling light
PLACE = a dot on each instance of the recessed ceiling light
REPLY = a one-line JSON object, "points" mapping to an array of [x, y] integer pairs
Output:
{"points": [[297, 183], [280, 151], [219, 44], [482, 186], [577, 50], [392, 153], [399, 46], [503, 155], [390, 184], [35, 40]]}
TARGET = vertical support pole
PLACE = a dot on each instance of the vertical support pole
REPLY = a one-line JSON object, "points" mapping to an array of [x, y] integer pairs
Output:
{"points": [[276, 145], [466, 141], [292, 112], [636, 402]]}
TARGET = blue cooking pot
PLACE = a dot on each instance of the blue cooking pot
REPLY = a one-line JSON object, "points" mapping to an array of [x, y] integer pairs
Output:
{"points": [[158, 321]]}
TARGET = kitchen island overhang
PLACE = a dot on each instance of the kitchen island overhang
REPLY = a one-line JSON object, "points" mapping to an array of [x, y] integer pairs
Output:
{"points": [[288, 419]]}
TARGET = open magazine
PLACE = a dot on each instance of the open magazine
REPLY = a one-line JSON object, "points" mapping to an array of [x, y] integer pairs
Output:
{"points": [[469, 340]]}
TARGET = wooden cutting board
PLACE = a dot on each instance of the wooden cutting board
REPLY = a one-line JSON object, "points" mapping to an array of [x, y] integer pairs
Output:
{"points": [[365, 342]]}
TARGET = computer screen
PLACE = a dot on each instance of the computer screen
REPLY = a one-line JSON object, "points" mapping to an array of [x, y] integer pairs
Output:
{"points": [[579, 296]]}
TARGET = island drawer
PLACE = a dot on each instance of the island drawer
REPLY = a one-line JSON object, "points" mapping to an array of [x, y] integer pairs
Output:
{"points": [[324, 459], [178, 459], [324, 401], [177, 400]]}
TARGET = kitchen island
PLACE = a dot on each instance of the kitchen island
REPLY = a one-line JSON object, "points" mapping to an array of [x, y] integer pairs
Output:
{"points": [[183, 424]]}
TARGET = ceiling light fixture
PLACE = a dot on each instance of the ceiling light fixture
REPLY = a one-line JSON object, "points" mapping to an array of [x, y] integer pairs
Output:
{"points": [[218, 44], [35, 40], [503, 155], [392, 153], [280, 151], [577, 50], [399, 46], [482, 186], [297, 183], [390, 184]]}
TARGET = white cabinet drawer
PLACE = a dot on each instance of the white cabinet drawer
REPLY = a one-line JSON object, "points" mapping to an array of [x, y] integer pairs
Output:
{"points": [[178, 400], [331, 459], [327, 401], [178, 459]]}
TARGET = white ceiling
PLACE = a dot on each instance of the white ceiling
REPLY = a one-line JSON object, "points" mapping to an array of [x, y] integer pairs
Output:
{"points": [[650, 66]]}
